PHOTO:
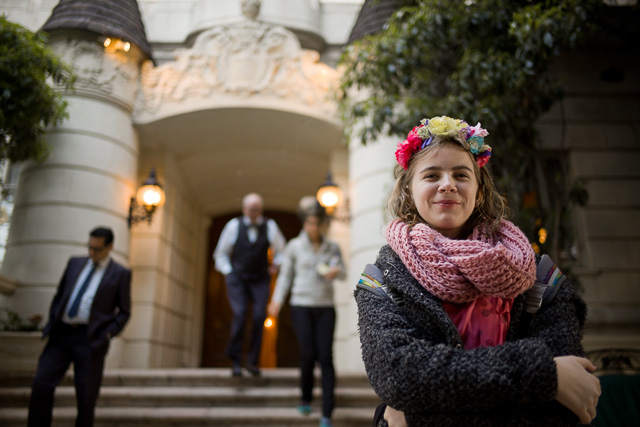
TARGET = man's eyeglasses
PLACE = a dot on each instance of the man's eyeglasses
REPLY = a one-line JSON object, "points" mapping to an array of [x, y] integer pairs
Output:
{"points": [[96, 249]]}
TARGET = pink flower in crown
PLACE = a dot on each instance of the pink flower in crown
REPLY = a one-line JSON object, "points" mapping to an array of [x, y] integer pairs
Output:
{"points": [[408, 147], [413, 138], [476, 131], [404, 152], [483, 158]]}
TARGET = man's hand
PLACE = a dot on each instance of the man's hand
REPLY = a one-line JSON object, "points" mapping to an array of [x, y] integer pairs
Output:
{"points": [[578, 389]]}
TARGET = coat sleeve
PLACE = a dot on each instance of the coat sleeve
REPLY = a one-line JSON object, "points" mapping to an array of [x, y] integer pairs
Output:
{"points": [[286, 274], [560, 324], [337, 255], [56, 303], [414, 368], [123, 303]]}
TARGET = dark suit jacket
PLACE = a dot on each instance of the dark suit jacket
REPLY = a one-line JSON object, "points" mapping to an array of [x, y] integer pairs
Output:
{"points": [[111, 306]]}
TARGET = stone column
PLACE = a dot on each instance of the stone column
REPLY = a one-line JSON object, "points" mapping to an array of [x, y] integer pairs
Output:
{"points": [[371, 179], [86, 181]]}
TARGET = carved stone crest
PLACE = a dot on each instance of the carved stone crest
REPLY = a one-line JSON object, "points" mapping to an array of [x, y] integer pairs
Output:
{"points": [[248, 59]]}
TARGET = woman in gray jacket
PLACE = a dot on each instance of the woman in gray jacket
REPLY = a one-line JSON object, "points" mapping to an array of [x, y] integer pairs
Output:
{"points": [[450, 321], [310, 263]]}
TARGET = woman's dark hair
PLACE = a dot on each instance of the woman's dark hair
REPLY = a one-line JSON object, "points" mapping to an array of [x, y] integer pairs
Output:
{"points": [[309, 206], [103, 232]]}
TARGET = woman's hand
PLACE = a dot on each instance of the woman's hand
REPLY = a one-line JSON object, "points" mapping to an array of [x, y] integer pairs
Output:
{"points": [[578, 389], [332, 273], [394, 417], [274, 309]]}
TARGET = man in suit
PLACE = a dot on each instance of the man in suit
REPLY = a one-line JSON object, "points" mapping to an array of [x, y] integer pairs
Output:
{"points": [[92, 304], [242, 257]]}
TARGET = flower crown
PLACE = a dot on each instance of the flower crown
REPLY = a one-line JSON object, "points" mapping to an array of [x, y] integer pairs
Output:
{"points": [[422, 136]]}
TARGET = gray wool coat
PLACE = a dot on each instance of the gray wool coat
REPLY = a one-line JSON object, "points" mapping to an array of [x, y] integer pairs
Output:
{"points": [[416, 363]]}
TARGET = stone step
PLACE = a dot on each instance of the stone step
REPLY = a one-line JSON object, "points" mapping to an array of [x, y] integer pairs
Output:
{"points": [[255, 397], [197, 377], [194, 397], [169, 416]]}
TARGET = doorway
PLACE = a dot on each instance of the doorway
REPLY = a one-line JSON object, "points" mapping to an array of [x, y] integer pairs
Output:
{"points": [[217, 313]]}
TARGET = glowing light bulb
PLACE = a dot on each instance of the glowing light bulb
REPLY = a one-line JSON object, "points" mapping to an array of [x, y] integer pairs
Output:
{"points": [[542, 235], [151, 197], [329, 199]]}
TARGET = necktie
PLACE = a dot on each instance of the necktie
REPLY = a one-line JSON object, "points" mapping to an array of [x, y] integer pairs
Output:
{"points": [[76, 303]]}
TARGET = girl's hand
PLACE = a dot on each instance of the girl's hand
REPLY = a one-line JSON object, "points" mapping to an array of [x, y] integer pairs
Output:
{"points": [[394, 417], [274, 309], [578, 389]]}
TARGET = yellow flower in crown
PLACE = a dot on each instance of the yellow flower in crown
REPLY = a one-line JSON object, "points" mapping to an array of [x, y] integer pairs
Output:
{"points": [[444, 125]]}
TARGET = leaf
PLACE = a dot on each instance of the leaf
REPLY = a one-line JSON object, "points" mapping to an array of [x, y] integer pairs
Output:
{"points": [[28, 103]]}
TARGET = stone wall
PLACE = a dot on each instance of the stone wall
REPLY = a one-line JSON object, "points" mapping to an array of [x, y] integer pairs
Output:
{"points": [[597, 125], [168, 261]]}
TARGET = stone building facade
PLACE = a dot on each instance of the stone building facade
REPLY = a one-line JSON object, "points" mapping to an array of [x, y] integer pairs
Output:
{"points": [[230, 97]]}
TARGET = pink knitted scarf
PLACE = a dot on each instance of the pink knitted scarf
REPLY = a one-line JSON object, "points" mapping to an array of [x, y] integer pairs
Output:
{"points": [[459, 271]]}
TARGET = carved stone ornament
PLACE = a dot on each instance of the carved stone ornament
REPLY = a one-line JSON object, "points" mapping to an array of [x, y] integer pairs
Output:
{"points": [[251, 9], [109, 75], [248, 59]]}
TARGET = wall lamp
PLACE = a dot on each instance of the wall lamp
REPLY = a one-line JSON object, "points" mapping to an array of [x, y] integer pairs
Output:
{"points": [[149, 197], [112, 44], [329, 195]]}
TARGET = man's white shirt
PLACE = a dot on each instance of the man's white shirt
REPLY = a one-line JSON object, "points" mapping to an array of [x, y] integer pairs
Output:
{"points": [[82, 317]]}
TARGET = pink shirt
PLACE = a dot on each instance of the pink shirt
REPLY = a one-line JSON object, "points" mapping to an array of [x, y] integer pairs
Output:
{"points": [[483, 322]]}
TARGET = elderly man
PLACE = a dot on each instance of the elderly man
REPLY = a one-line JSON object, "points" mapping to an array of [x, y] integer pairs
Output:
{"points": [[242, 257]]}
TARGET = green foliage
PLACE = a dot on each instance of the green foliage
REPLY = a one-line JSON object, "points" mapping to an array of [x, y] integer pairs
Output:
{"points": [[28, 103], [480, 60], [11, 321], [483, 61]]}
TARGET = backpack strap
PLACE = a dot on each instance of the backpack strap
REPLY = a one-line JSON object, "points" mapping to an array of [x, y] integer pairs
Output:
{"points": [[549, 279], [372, 280]]}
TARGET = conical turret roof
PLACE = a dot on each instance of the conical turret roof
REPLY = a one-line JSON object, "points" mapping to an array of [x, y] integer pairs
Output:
{"points": [[372, 17], [113, 18]]}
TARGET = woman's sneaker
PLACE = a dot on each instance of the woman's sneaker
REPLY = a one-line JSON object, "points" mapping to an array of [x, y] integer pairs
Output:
{"points": [[325, 422], [304, 409]]}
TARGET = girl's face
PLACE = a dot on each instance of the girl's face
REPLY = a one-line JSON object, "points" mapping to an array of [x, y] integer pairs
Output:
{"points": [[444, 189], [314, 228]]}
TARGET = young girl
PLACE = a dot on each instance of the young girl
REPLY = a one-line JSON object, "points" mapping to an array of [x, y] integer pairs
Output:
{"points": [[446, 338], [310, 264]]}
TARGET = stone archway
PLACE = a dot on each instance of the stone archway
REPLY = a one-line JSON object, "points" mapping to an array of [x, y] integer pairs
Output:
{"points": [[243, 110]]}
